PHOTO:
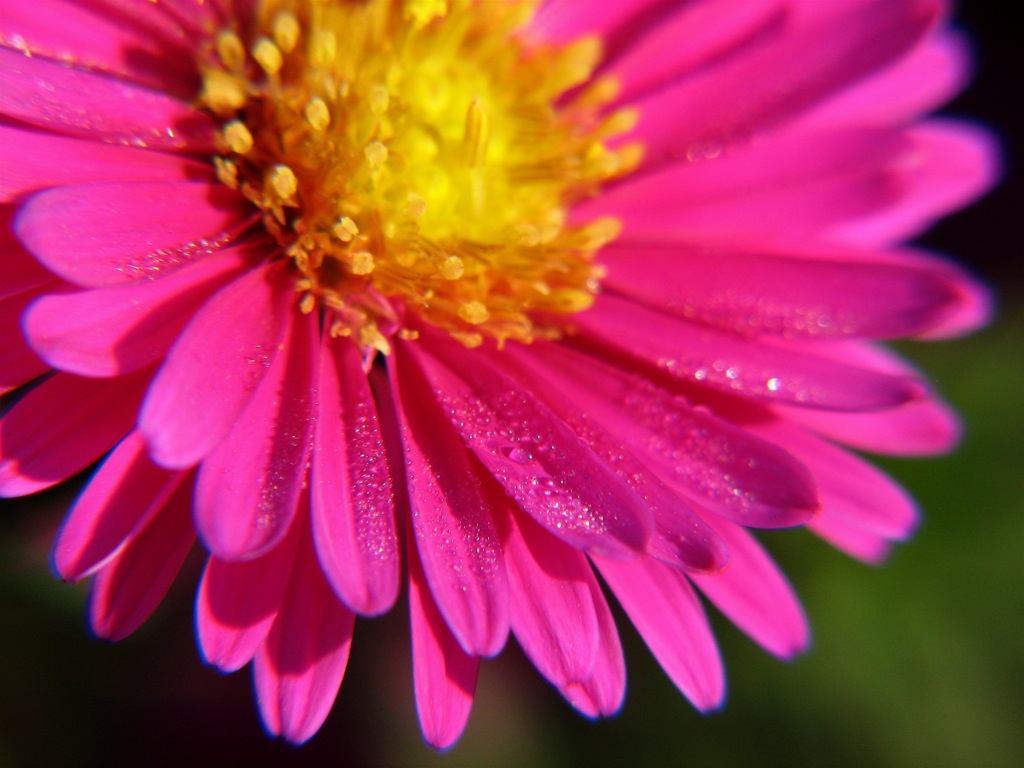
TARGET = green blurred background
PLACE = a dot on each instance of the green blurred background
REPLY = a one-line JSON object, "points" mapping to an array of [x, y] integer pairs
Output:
{"points": [[919, 662]]}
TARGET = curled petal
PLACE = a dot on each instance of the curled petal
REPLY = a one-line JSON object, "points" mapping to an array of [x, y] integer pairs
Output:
{"points": [[455, 535], [249, 486], [110, 233], [124, 494], [129, 588], [550, 471], [298, 670], [667, 613], [188, 411], [756, 597], [353, 505], [444, 676]]}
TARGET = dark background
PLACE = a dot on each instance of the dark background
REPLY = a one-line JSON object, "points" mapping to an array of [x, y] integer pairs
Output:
{"points": [[915, 663]]}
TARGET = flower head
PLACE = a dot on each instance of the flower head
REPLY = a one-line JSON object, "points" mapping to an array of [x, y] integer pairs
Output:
{"points": [[478, 299]]}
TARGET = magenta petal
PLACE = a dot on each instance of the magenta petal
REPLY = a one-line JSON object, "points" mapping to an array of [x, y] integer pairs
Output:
{"points": [[925, 78], [665, 610], [21, 363], [96, 235], [756, 597], [353, 504], [248, 487], [952, 164], [824, 48], [69, 100], [758, 293], [455, 535], [550, 472], [603, 694], [553, 616], [709, 461], [921, 428], [236, 335], [563, 21], [712, 29], [850, 487], [43, 441], [21, 271], [681, 536], [753, 368], [444, 676], [846, 536], [112, 331], [298, 670], [67, 31], [237, 604], [128, 589], [126, 492], [32, 160]]}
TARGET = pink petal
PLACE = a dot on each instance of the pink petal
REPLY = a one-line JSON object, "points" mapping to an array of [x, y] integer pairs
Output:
{"points": [[667, 613], [920, 428], [855, 541], [953, 164], [712, 29], [21, 363], [353, 504], [929, 76], [32, 160], [237, 604], [553, 614], [444, 676], [43, 441], [21, 271], [681, 535], [112, 331], [455, 535], [824, 48], [709, 461], [67, 32], [795, 184], [758, 293], [603, 694], [756, 596], [81, 103], [298, 670], [128, 589], [850, 487], [124, 494], [214, 368], [756, 369], [248, 487], [98, 235], [615, 21], [550, 472]]}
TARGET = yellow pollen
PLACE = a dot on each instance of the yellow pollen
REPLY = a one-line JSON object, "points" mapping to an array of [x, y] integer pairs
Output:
{"points": [[474, 313], [286, 31], [417, 162], [231, 51], [452, 268], [317, 114], [239, 139], [362, 263], [345, 229], [268, 56], [284, 182]]}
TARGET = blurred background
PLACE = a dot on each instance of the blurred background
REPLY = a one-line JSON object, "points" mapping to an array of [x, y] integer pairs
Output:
{"points": [[920, 662]]}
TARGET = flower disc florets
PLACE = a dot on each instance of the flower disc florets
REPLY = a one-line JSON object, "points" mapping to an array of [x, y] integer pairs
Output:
{"points": [[419, 156]]}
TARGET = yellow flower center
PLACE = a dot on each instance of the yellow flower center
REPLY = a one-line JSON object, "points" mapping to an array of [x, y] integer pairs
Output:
{"points": [[418, 158]]}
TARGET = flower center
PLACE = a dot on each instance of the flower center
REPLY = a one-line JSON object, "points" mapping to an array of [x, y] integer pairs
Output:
{"points": [[417, 158]]}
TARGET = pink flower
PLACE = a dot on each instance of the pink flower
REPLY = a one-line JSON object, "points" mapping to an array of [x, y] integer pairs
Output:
{"points": [[515, 293]]}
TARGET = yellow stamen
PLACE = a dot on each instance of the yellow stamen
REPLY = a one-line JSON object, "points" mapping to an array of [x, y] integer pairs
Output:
{"points": [[416, 162]]}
